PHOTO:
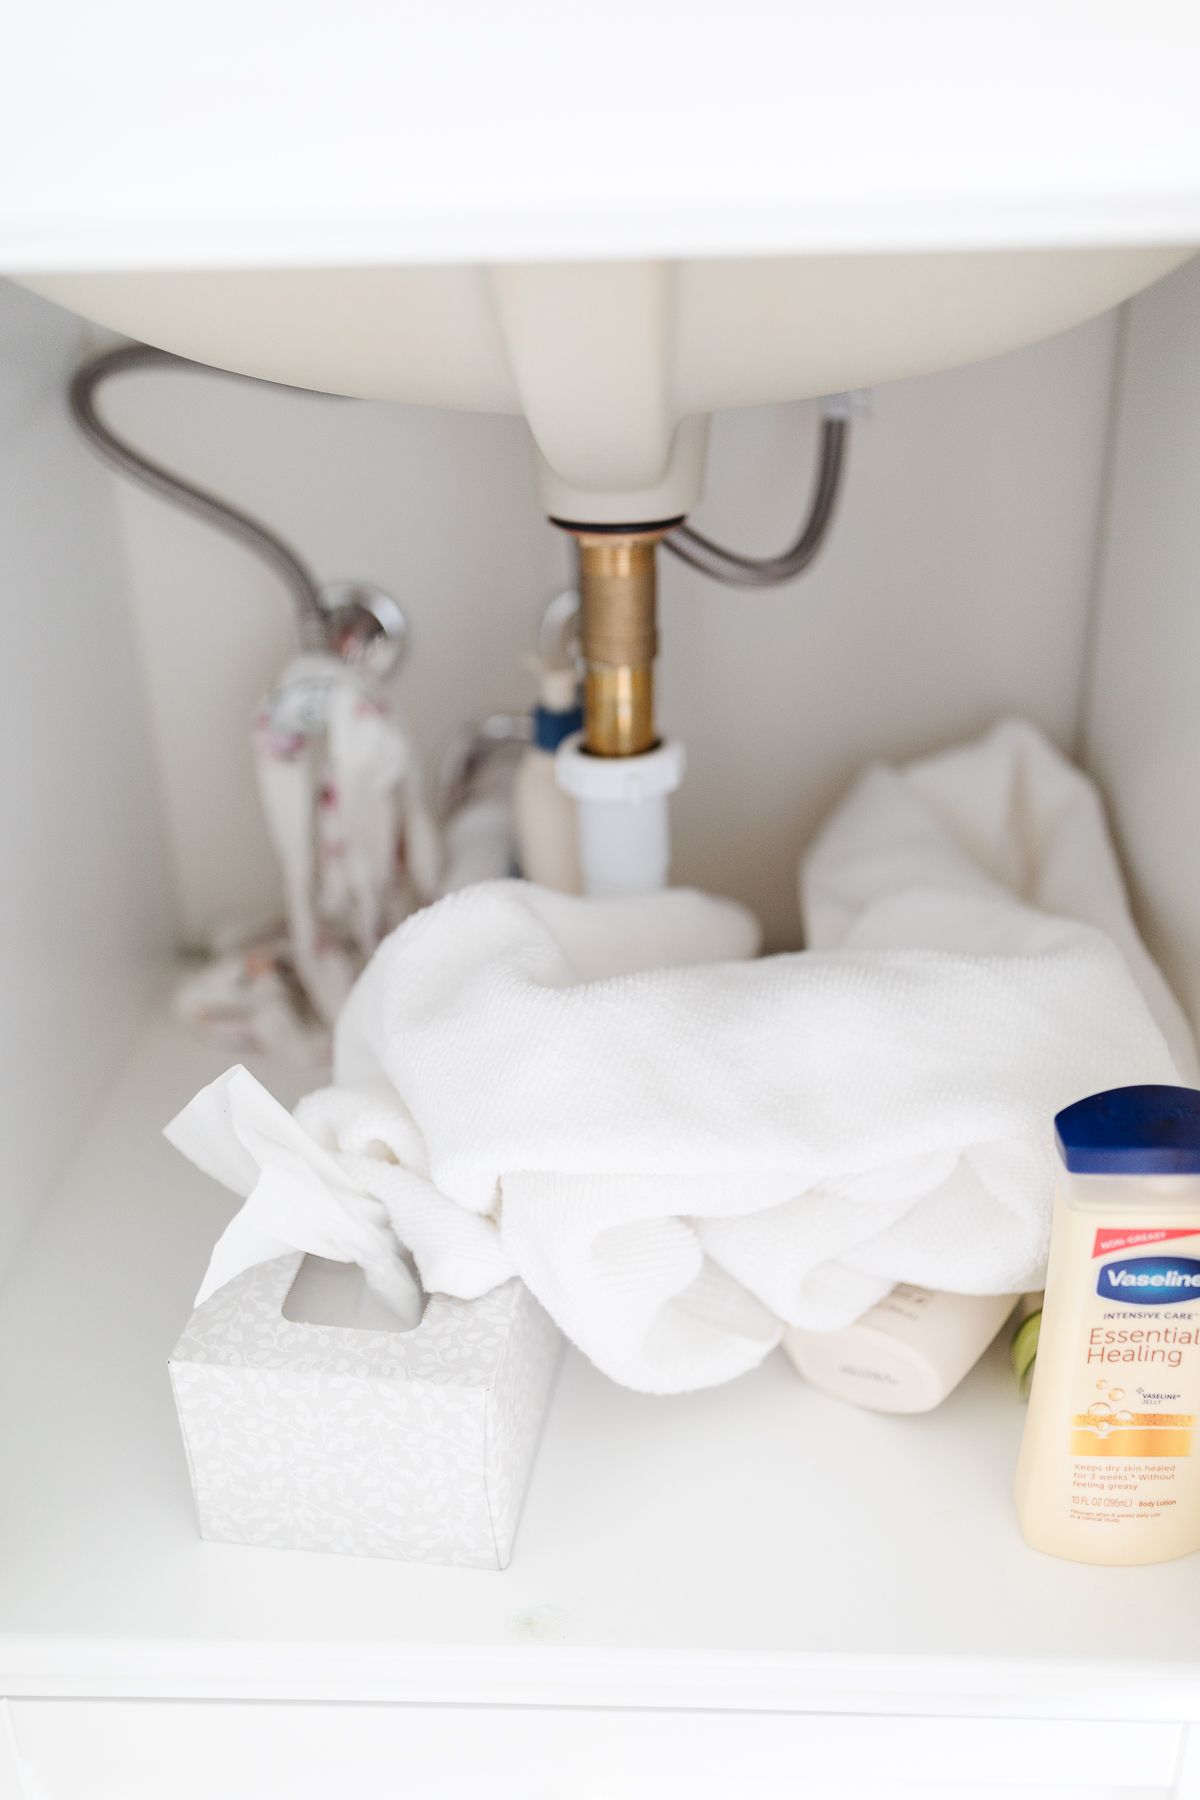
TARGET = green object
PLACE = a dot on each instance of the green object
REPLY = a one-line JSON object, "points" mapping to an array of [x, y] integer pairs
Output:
{"points": [[1024, 1351]]}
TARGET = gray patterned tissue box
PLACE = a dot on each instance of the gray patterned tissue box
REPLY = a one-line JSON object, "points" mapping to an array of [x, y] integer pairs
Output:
{"points": [[415, 1444]]}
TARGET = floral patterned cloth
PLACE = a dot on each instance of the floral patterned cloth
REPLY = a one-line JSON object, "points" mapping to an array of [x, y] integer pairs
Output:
{"points": [[357, 852]]}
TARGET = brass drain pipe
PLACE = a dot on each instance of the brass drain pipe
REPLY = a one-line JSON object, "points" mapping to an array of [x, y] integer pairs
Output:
{"points": [[618, 593]]}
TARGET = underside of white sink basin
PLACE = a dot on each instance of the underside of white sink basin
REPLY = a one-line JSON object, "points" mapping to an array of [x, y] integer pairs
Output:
{"points": [[615, 365]]}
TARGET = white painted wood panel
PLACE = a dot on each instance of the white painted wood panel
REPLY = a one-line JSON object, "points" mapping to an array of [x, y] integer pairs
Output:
{"points": [[14, 1770], [279, 131], [83, 893], [128, 1750], [1143, 710]]}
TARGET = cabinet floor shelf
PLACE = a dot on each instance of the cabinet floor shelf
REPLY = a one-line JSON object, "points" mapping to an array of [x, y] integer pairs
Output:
{"points": [[755, 1548]]}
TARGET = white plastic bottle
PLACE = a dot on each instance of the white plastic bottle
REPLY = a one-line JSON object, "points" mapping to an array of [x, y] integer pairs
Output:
{"points": [[1109, 1470], [904, 1355], [545, 817]]}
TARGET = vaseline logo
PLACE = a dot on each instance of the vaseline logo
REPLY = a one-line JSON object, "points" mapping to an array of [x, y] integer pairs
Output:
{"points": [[1150, 1280]]}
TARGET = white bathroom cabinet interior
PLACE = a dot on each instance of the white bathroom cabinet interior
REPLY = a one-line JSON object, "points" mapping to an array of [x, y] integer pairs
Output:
{"points": [[755, 1580], [751, 1590]]}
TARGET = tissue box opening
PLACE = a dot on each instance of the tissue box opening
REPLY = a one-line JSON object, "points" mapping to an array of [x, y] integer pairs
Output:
{"points": [[316, 1435], [336, 1293]]}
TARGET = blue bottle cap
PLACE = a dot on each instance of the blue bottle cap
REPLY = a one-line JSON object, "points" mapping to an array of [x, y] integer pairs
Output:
{"points": [[1132, 1131], [550, 728]]}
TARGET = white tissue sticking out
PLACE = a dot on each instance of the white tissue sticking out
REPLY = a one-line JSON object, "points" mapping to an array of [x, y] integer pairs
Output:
{"points": [[296, 1197]]}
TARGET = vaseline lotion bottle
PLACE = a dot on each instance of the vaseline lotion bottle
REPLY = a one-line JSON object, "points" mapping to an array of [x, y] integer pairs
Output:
{"points": [[1109, 1470]]}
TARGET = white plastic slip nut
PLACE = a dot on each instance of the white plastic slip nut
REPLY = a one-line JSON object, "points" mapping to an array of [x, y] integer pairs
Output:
{"points": [[623, 780], [624, 824]]}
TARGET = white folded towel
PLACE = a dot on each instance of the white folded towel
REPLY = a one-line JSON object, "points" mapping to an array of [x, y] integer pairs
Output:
{"points": [[676, 1150]]}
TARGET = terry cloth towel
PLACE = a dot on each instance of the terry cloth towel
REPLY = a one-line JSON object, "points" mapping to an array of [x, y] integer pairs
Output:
{"points": [[676, 1150]]}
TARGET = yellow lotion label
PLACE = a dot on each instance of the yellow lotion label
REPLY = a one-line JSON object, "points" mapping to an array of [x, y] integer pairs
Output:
{"points": [[1110, 1463], [1109, 1470], [1137, 1375]]}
